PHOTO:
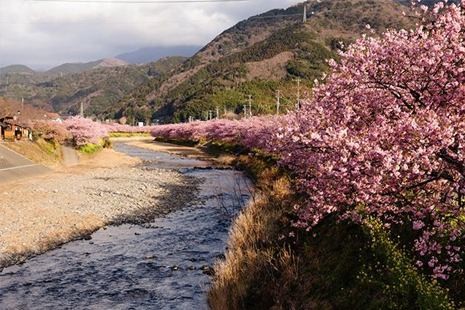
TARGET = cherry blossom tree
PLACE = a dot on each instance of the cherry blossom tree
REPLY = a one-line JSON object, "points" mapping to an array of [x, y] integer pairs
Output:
{"points": [[384, 136], [51, 130], [85, 131]]}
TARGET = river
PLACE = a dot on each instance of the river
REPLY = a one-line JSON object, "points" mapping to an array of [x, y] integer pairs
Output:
{"points": [[164, 264]]}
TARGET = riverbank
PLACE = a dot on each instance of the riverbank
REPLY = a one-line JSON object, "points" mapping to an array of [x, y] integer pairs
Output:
{"points": [[164, 264], [106, 188], [269, 264]]}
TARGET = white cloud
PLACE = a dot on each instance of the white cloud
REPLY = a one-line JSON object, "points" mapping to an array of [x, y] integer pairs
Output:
{"points": [[43, 35]]}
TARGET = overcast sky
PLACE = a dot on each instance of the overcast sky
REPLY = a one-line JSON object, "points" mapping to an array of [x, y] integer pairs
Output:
{"points": [[42, 35]]}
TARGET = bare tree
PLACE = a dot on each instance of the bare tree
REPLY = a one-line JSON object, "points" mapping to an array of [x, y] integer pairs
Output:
{"points": [[9, 108]]}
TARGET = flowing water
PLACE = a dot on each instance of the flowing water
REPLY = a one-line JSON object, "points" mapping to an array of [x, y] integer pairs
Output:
{"points": [[161, 265]]}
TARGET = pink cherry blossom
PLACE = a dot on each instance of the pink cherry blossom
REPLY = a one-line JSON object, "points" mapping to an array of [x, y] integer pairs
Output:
{"points": [[383, 137]]}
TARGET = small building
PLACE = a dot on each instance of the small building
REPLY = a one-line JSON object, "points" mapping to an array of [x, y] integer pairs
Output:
{"points": [[54, 117], [11, 129]]}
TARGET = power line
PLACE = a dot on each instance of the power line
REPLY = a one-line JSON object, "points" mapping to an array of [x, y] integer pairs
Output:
{"points": [[126, 23], [138, 1]]}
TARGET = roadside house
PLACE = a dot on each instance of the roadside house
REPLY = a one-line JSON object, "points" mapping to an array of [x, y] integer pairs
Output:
{"points": [[12, 129]]}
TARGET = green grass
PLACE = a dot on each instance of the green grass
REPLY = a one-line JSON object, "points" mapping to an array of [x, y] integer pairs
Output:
{"points": [[50, 147], [183, 142], [129, 134], [89, 148], [337, 265]]}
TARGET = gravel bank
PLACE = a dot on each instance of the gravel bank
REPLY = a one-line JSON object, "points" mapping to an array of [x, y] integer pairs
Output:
{"points": [[37, 215]]}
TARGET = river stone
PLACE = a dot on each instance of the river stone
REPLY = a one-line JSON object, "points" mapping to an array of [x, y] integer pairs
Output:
{"points": [[209, 271]]}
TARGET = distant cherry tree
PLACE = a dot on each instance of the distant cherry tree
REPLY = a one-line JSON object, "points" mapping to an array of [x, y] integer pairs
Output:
{"points": [[85, 131], [384, 137]]}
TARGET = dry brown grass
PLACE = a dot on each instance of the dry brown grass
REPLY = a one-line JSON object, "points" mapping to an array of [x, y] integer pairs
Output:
{"points": [[273, 69], [253, 256]]}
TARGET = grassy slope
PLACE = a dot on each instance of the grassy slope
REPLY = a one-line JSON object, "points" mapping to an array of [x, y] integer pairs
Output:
{"points": [[336, 266]]}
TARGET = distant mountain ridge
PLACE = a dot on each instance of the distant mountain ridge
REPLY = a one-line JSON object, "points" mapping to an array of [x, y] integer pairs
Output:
{"points": [[69, 68], [150, 54], [141, 56], [98, 89], [16, 69]]}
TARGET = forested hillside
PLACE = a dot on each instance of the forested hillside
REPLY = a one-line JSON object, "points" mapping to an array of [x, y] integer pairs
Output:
{"points": [[261, 56], [98, 89]]}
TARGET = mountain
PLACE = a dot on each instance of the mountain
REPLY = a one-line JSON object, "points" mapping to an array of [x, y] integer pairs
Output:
{"points": [[20, 74], [260, 56], [68, 68], [16, 69], [151, 54], [425, 2], [98, 89]]}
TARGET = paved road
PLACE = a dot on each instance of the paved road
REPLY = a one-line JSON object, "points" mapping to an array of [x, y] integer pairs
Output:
{"points": [[14, 166]]}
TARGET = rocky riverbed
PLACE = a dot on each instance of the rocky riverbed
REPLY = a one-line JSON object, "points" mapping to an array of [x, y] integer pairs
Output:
{"points": [[39, 214]]}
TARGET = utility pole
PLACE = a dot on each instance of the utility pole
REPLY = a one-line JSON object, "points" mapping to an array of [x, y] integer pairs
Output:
{"points": [[250, 105], [278, 97], [217, 113], [245, 111], [297, 106], [22, 104], [82, 109], [305, 13]]}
